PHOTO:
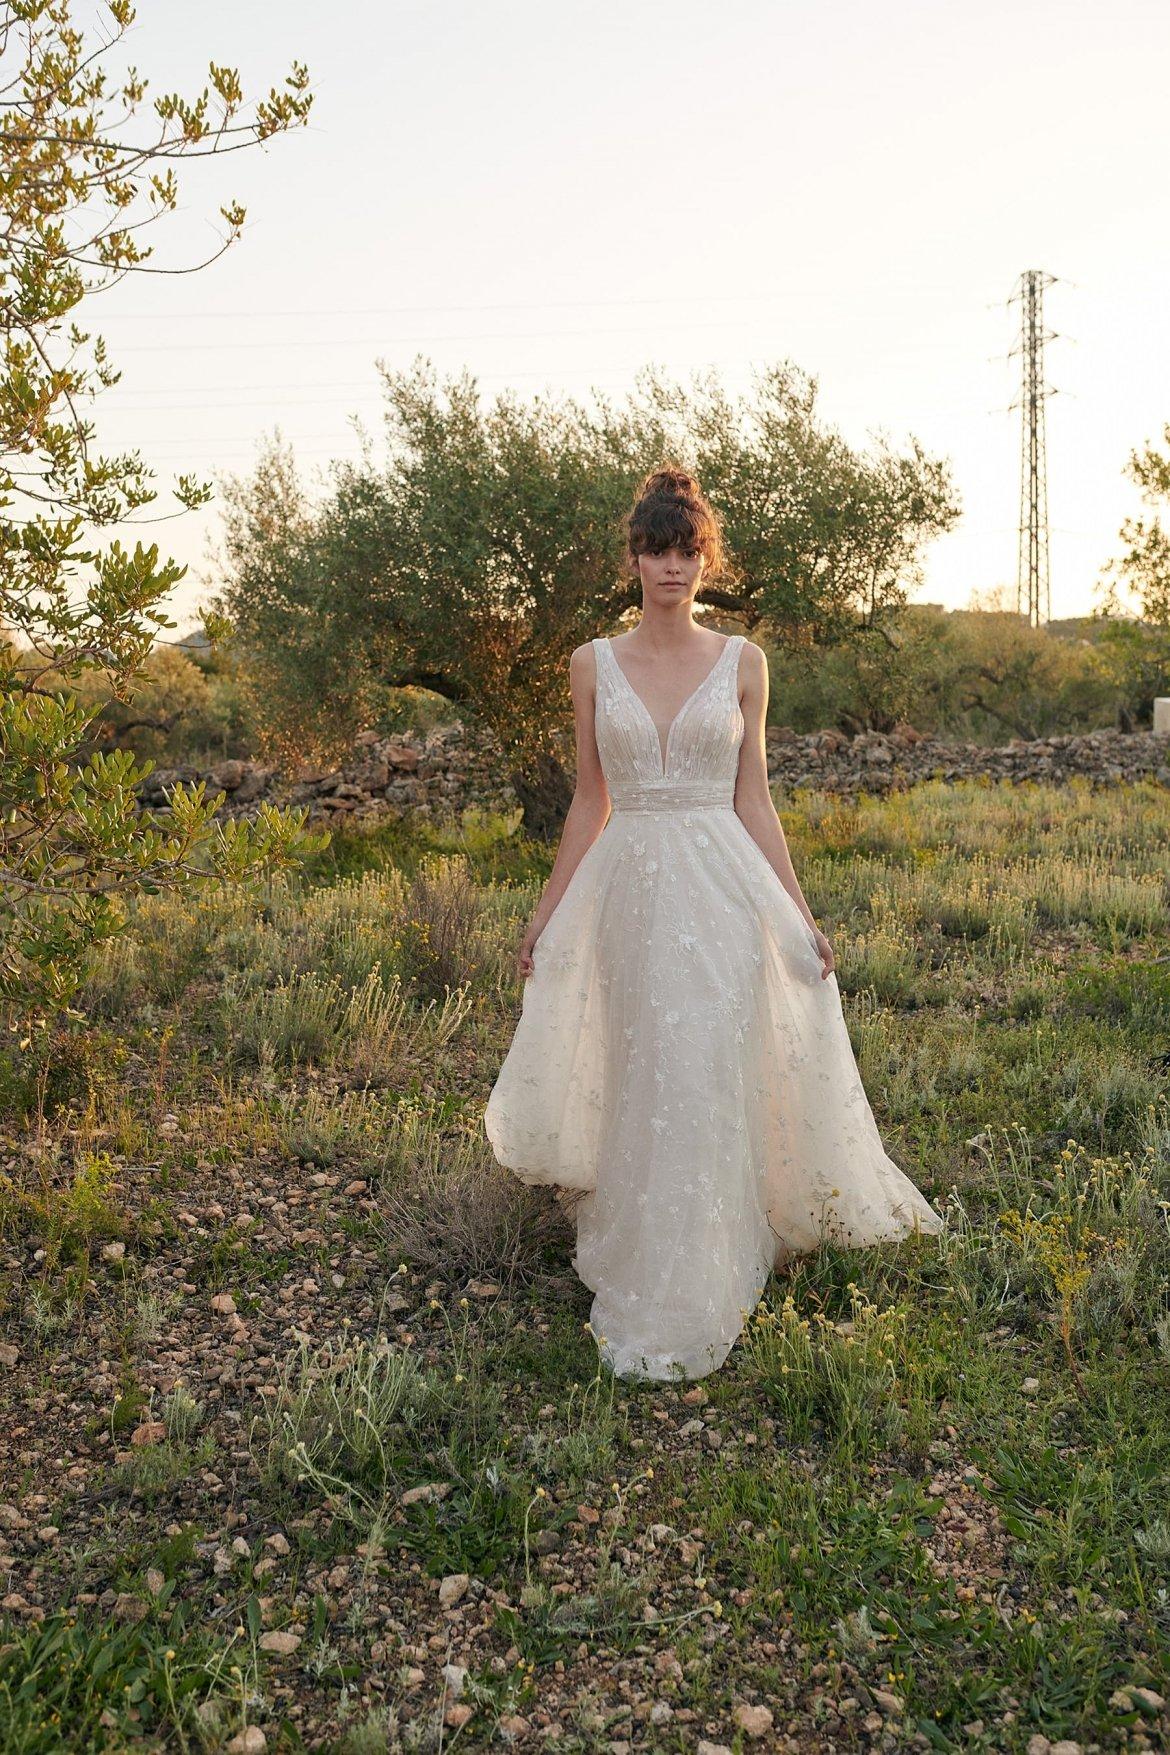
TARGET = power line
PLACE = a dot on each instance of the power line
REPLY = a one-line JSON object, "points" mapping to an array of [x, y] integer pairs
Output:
{"points": [[369, 399], [300, 342], [340, 340], [509, 305]]}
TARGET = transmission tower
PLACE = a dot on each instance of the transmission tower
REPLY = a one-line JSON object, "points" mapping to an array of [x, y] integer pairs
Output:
{"points": [[1032, 580]]}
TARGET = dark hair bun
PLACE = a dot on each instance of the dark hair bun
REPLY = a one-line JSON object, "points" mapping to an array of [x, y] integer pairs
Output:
{"points": [[675, 483]]}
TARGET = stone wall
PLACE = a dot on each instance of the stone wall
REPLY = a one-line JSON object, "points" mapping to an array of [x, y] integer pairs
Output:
{"points": [[443, 772], [884, 762]]}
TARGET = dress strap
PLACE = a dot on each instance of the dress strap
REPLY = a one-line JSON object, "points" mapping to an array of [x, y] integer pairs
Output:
{"points": [[736, 643], [599, 643]]}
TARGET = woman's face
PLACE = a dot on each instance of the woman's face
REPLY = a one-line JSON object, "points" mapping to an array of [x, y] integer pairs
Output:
{"points": [[671, 577]]}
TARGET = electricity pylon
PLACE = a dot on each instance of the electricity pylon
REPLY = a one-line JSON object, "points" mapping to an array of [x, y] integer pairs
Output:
{"points": [[1032, 577]]}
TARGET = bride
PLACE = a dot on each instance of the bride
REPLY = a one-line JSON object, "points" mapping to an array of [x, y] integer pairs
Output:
{"points": [[681, 1059]]}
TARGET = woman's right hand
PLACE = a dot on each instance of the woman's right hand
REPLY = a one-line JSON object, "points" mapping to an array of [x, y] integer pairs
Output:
{"points": [[524, 958]]}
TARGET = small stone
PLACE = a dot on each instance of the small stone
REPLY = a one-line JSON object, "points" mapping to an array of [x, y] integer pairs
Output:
{"points": [[708, 1748], [249, 1742], [1029, 1387], [113, 1252], [283, 1644], [278, 1544], [129, 1608], [1066, 1746], [155, 1582], [430, 1490], [9, 1354], [455, 1676], [453, 1588], [150, 1432], [225, 1305], [753, 1721], [888, 1702]]}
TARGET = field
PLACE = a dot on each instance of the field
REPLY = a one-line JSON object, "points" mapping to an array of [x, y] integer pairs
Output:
{"points": [[303, 1435]]}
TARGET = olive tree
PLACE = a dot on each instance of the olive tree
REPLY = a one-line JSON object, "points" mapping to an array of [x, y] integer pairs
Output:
{"points": [[489, 544]]}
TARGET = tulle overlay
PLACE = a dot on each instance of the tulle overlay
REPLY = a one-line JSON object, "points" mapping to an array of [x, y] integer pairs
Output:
{"points": [[679, 1059]]}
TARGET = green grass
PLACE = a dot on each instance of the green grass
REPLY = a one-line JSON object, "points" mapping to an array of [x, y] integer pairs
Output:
{"points": [[72, 1683], [934, 1474]]}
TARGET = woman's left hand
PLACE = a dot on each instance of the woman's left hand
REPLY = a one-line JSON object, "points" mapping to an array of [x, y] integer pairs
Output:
{"points": [[825, 952]]}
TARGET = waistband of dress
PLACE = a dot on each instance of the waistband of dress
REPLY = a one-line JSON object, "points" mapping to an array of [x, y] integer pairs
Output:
{"points": [[653, 795]]}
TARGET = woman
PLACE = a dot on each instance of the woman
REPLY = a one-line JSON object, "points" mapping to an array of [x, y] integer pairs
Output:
{"points": [[681, 1057]]}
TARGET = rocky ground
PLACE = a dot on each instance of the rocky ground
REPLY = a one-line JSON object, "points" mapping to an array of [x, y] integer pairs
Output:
{"points": [[636, 1628], [110, 1510]]}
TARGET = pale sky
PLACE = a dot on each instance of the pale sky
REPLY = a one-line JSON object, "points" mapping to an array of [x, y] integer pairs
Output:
{"points": [[552, 196]]}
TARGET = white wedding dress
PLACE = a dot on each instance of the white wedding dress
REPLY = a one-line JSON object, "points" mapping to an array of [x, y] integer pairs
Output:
{"points": [[679, 1057]]}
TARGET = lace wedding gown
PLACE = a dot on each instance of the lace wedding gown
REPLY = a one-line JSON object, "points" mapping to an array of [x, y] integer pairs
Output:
{"points": [[679, 1058]]}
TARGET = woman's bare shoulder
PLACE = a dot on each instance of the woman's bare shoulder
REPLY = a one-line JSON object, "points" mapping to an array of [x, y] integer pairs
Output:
{"points": [[583, 664]]}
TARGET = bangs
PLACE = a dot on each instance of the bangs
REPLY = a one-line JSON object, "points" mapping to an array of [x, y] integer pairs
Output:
{"points": [[661, 524]]}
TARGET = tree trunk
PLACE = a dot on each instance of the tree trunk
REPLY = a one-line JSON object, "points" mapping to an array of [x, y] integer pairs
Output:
{"points": [[545, 796]]}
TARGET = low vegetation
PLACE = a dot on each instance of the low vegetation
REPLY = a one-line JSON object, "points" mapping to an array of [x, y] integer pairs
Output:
{"points": [[305, 1443]]}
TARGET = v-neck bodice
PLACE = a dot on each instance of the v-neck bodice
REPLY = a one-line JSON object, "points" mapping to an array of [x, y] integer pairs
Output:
{"points": [[702, 740]]}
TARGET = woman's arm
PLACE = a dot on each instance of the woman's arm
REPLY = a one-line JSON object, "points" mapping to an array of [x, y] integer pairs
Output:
{"points": [[753, 800], [589, 811]]}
